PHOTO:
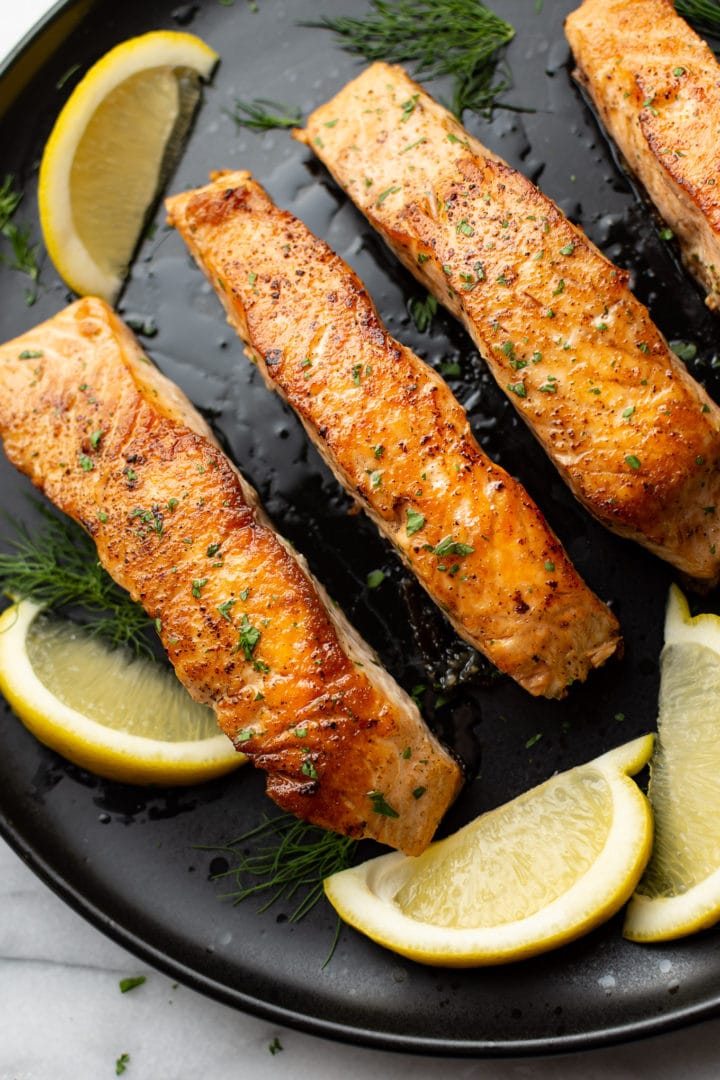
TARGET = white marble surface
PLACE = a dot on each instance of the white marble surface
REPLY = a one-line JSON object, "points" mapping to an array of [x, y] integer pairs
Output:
{"points": [[62, 1016]]}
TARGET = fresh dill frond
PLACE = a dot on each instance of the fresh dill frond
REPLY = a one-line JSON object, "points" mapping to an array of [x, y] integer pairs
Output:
{"points": [[287, 859], [57, 565], [423, 311], [9, 201], [703, 14], [24, 254], [256, 114], [458, 38]]}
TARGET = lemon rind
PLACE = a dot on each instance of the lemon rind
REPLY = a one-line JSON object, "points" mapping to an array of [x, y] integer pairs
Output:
{"points": [[56, 218], [110, 753], [362, 895], [666, 918]]}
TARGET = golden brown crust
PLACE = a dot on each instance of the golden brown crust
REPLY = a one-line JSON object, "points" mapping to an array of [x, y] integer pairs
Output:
{"points": [[396, 438], [656, 85], [241, 619], [631, 433]]}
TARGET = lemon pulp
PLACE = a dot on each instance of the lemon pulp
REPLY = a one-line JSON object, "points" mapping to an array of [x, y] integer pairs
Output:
{"points": [[116, 714], [111, 151], [521, 879], [680, 890]]}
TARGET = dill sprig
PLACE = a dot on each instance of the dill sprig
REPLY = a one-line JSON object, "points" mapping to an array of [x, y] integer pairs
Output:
{"points": [[24, 254], [459, 38], [57, 565], [288, 859], [256, 114], [703, 14]]}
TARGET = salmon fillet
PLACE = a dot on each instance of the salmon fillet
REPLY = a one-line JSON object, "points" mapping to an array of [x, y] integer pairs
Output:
{"points": [[396, 438], [632, 434], [656, 86], [120, 449]]}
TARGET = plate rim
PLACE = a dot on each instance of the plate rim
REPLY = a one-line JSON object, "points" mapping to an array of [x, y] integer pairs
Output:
{"points": [[50, 875]]}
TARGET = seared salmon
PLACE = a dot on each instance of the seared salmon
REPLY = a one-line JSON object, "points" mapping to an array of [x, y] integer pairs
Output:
{"points": [[396, 438], [120, 449], [656, 86], [633, 435]]}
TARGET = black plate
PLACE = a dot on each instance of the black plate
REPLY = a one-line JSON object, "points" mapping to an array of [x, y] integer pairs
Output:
{"points": [[127, 858]]}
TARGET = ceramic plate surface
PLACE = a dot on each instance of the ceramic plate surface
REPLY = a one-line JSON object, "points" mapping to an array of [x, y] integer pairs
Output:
{"points": [[131, 860]]}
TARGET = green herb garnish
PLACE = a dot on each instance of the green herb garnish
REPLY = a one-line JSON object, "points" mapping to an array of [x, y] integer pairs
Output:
{"points": [[423, 311], [375, 578], [58, 566], [415, 522], [448, 546], [289, 859], [457, 38], [131, 982], [24, 254], [249, 637], [380, 805], [121, 1064], [703, 14], [263, 114]]}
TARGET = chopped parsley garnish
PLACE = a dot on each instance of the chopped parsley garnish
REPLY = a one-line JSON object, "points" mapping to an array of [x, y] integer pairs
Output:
{"points": [[418, 792], [633, 461], [86, 463], [380, 805], [131, 982], [198, 586], [685, 350], [549, 566], [517, 388], [375, 578], [465, 228], [224, 609], [121, 1064], [448, 546], [408, 108], [384, 194], [308, 769], [532, 740], [415, 522], [423, 311], [212, 550], [568, 249], [248, 638]]}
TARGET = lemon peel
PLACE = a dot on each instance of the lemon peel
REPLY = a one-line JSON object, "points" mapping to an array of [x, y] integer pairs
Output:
{"points": [[679, 893], [110, 151], [118, 715], [509, 885]]}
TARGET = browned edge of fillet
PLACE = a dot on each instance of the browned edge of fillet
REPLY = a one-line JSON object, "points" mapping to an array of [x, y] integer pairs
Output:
{"points": [[513, 593], [176, 525], [631, 433]]}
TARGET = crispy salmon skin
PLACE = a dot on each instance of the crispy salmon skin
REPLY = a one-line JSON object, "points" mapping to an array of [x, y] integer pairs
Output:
{"points": [[656, 86], [120, 449], [396, 438], [632, 434]]}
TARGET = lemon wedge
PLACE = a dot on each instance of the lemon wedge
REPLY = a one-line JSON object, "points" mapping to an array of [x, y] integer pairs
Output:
{"points": [[680, 890], [524, 878], [107, 710], [111, 151]]}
